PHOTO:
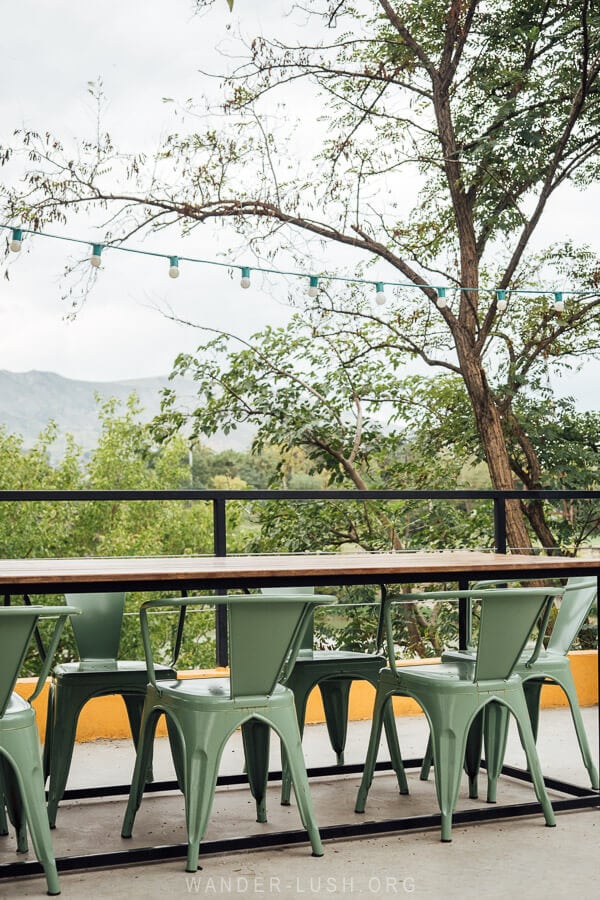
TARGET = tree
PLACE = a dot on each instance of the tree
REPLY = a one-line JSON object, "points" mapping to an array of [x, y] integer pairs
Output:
{"points": [[493, 107]]}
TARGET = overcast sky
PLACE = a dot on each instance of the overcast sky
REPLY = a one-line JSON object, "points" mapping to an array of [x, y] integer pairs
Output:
{"points": [[143, 52]]}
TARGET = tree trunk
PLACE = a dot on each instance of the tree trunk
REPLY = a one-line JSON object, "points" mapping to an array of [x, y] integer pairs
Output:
{"points": [[489, 426]]}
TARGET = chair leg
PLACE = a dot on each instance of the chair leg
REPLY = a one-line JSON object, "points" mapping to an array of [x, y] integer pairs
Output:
{"points": [[521, 713], [134, 704], [335, 693], [382, 698], [391, 734], [496, 734], [533, 691], [285, 723], [64, 716], [427, 761], [176, 752], [256, 740], [448, 741], [142, 759], [301, 693], [47, 754], [14, 804], [23, 751], [472, 762], [3, 820], [203, 743], [568, 685]]}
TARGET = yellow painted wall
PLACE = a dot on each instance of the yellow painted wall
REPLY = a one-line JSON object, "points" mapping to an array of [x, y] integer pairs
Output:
{"points": [[105, 717]]}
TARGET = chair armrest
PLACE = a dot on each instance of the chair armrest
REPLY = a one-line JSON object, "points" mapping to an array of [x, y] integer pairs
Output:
{"points": [[61, 614], [478, 585]]}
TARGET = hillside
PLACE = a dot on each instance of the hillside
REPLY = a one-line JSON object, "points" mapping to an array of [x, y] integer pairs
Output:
{"points": [[29, 400]]}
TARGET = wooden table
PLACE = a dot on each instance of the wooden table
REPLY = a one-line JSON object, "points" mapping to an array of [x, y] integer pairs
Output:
{"points": [[44, 576], [48, 576]]}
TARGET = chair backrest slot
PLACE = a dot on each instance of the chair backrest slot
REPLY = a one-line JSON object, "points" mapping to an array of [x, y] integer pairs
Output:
{"points": [[259, 640], [98, 630], [507, 619], [15, 634], [308, 635], [579, 595]]}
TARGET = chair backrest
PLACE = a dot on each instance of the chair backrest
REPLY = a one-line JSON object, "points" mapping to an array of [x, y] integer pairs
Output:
{"points": [[308, 635], [17, 624], [508, 617], [98, 630], [576, 602], [264, 638]]}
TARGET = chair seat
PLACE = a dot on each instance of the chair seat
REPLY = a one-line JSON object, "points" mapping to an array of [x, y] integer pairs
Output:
{"points": [[457, 676], [16, 704], [326, 656], [547, 659], [210, 692], [117, 667]]}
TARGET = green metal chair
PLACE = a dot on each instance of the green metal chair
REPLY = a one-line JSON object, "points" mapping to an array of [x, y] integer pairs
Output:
{"points": [[334, 671], [97, 674], [264, 638], [547, 665], [453, 694], [21, 779]]}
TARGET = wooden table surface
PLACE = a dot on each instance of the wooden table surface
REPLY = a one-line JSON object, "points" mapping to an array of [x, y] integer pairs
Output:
{"points": [[42, 575]]}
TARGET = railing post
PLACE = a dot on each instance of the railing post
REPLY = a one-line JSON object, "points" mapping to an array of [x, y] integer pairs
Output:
{"points": [[500, 523], [220, 549], [465, 624]]}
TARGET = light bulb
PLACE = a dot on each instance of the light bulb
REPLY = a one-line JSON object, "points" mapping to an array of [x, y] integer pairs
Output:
{"points": [[313, 289], [174, 267], [95, 258], [501, 301], [441, 298], [245, 279], [559, 303], [16, 240], [380, 297]]}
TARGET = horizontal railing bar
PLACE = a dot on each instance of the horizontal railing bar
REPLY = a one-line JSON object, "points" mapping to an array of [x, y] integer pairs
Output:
{"points": [[208, 495]]}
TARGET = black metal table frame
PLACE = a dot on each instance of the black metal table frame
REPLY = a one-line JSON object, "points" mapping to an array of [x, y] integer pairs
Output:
{"points": [[577, 797]]}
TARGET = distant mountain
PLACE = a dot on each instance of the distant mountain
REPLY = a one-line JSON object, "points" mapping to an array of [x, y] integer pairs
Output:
{"points": [[29, 400]]}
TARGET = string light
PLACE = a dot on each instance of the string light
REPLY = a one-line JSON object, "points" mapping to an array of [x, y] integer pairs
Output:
{"points": [[95, 258], [16, 240], [313, 289], [173, 267]]}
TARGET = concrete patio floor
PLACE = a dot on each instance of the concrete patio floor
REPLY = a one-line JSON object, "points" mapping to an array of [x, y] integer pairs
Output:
{"points": [[511, 857]]}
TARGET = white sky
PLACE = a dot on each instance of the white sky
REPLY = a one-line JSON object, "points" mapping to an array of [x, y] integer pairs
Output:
{"points": [[144, 51]]}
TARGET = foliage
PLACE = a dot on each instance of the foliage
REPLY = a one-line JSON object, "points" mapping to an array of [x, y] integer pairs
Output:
{"points": [[254, 471], [127, 456]]}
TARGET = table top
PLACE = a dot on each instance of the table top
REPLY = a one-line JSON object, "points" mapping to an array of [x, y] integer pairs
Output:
{"points": [[80, 573]]}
